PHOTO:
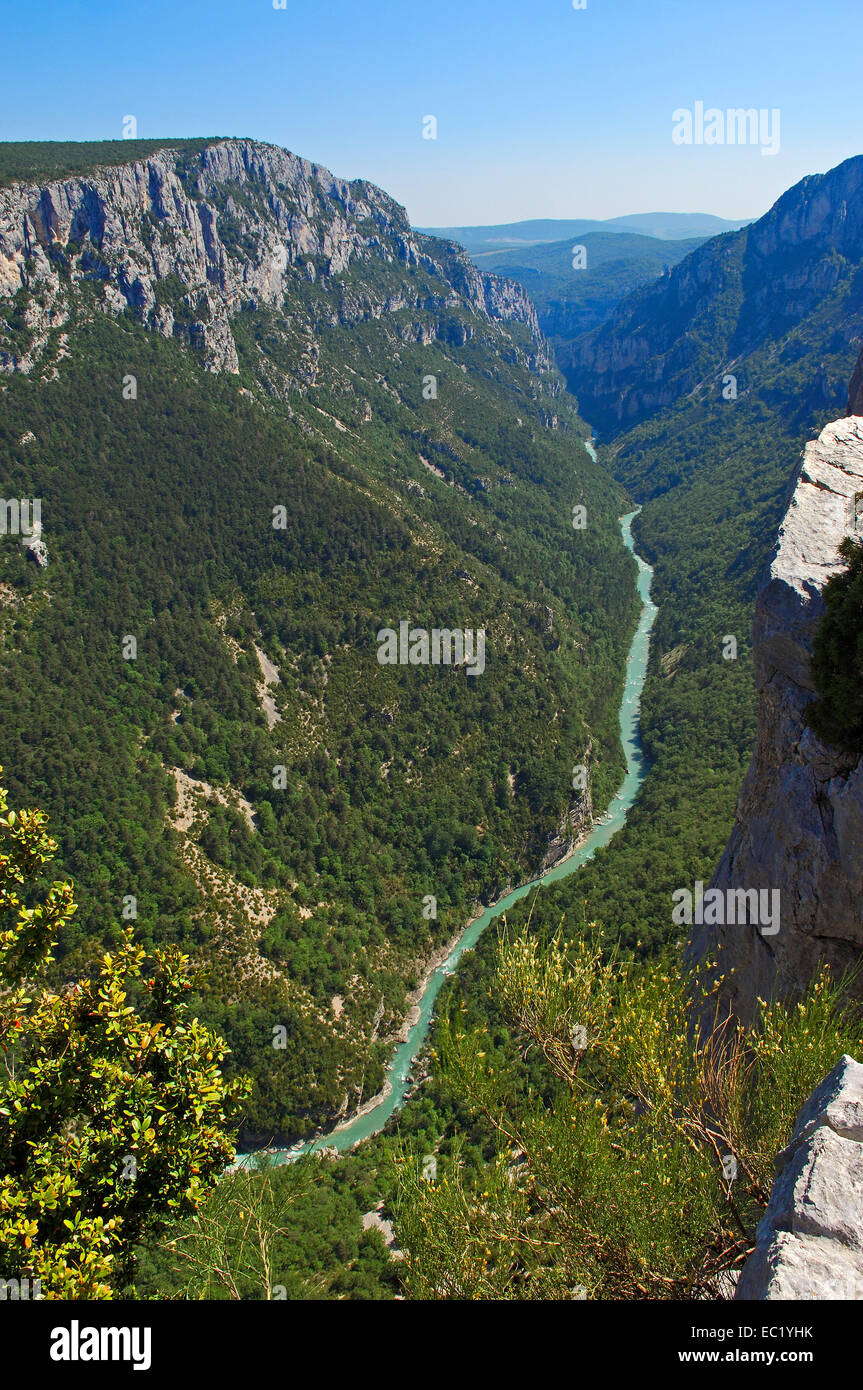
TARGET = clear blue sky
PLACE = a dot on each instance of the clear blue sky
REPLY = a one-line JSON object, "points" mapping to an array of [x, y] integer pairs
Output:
{"points": [[543, 110]]}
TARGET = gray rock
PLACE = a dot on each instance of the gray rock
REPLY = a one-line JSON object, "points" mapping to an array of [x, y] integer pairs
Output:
{"points": [[799, 820], [37, 550], [809, 1244], [794, 1268], [138, 223], [837, 1104]]}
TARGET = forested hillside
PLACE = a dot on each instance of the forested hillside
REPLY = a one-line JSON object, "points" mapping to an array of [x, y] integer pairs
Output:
{"points": [[265, 421]]}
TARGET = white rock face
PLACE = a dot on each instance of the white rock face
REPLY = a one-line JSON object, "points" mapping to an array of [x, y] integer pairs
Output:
{"points": [[810, 1241], [233, 224], [799, 822]]}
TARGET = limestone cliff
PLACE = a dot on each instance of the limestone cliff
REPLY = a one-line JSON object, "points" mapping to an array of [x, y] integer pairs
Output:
{"points": [[184, 241], [799, 823]]}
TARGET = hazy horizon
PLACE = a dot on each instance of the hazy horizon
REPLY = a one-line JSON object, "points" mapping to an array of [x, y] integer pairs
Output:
{"points": [[576, 217]]}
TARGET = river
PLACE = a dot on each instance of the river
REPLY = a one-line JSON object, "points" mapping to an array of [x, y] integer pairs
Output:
{"points": [[375, 1114]]}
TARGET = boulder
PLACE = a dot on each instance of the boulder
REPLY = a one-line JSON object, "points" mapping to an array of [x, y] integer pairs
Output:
{"points": [[809, 1244]]}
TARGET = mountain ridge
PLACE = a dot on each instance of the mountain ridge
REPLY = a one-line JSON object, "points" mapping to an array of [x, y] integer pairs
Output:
{"points": [[731, 296], [170, 188]]}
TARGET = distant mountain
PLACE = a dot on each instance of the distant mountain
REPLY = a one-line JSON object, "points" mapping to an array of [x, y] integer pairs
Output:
{"points": [[674, 226], [569, 301], [751, 303], [667, 226]]}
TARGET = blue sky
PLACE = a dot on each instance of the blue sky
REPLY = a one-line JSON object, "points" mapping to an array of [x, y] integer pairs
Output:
{"points": [[542, 110]]}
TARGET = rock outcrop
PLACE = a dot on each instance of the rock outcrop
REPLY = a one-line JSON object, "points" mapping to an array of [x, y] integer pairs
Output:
{"points": [[184, 241], [810, 1240], [799, 822], [38, 551]]}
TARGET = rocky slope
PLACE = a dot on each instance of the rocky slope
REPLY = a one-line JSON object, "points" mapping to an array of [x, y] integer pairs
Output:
{"points": [[739, 293], [217, 230], [799, 822]]}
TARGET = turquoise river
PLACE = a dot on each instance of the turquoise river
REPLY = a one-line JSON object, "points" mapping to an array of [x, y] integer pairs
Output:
{"points": [[375, 1114]]}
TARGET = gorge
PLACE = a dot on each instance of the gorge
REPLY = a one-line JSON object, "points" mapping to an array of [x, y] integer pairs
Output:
{"points": [[194, 695], [376, 1114], [280, 326]]}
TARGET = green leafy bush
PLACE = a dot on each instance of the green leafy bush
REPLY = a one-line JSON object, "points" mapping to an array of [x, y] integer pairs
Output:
{"points": [[113, 1120]]}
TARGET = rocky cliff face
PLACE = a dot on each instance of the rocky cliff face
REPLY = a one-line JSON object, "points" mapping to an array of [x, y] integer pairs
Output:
{"points": [[810, 1240], [184, 241], [728, 299], [799, 824]]}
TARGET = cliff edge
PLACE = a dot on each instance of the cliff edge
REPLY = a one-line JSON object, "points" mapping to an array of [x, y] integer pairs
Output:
{"points": [[799, 821], [184, 241]]}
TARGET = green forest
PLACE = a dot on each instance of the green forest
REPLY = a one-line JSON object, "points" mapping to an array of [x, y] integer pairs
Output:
{"points": [[34, 161], [219, 519]]}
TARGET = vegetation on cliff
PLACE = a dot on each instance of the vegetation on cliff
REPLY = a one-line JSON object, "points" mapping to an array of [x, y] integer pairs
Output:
{"points": [[292, 854], [837, 656], [641, 1166]]}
